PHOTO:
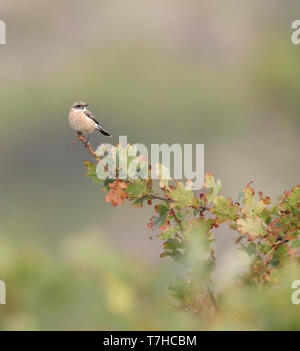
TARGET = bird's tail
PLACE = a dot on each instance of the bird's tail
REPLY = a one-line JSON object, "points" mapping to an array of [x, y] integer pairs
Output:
{"points": [[102, 131]]}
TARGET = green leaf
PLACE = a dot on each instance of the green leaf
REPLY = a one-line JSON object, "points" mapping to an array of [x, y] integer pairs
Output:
{"points": [[291, 201], [168, 233], [181, 196], [224, 209], [138, 188], [162, 209], [158, 220], [251, 207], [214, 187], [141, 200], [252, 226], [91, 171]]}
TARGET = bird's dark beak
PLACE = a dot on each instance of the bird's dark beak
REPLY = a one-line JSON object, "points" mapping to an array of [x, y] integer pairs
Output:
{"points": [[86, 105]]}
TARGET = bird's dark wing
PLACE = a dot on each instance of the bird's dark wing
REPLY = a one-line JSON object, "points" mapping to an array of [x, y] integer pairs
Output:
{"points": [[100, 129], [91, 116]]}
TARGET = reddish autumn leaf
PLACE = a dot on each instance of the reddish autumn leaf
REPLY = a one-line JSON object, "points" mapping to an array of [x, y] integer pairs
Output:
{"points": [[117, 192]]}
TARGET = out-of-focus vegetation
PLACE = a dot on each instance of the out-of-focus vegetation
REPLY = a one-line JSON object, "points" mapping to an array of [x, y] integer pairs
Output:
{"points": [[88, 285], [220, 73]]}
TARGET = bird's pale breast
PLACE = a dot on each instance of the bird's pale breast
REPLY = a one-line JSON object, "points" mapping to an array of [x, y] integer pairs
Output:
{"points": [[80, 122]]}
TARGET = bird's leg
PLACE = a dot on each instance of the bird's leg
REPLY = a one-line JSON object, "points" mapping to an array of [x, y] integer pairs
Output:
{"points": [[81, 137]]}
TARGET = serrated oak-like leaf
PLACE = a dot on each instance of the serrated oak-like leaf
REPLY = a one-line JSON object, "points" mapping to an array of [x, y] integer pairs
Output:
{"points": [[137, 188], [214, 187], [117, 193], [252, 226], [181, 196], [251, 208], [291, 200], [91, 171], [224, 209]]}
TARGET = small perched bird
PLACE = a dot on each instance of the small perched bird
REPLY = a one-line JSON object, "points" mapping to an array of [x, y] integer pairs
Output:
{"points": [[83, 121]]}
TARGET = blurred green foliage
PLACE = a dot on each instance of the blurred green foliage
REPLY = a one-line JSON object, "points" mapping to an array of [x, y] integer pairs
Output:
{"points": [[88, 285]]}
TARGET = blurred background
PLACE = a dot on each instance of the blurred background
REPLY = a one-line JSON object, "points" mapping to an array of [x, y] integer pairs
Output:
{"points": [[223, 74]]}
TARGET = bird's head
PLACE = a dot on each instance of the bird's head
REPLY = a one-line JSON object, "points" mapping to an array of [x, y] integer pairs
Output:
{"points": [[79, 105]]}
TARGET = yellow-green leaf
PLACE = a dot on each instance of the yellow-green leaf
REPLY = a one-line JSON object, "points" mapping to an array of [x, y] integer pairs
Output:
{"points": [[137, 188], [224, 209], [214, 187], [251, 207], [252, 226], [181, 196]]}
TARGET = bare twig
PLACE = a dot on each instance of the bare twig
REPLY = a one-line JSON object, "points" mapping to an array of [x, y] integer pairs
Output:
{"points": [[212, 298], [161, 198], [203, 208], [177, 220], [87, 145]]}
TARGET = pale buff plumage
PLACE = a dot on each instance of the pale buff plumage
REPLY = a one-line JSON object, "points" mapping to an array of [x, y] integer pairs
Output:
{"points": [[83, 121], [80, 122]]}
